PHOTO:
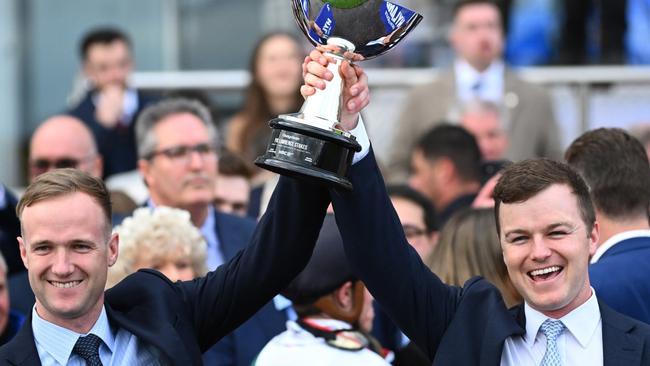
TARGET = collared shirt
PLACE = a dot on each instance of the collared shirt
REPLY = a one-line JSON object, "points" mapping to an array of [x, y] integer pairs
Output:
{"points": [[282, 304], [615, 239], [581, 343], [119, 346], [362, 138], [215, 256], [130, 104], [472, 84], [298, 347]]}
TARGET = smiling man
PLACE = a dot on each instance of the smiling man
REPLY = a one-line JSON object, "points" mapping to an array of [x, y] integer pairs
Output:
{"points": [[547, 229], [67, 247]]}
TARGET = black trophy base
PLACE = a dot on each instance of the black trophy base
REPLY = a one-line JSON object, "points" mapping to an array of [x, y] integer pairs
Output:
{"points": [[309, 153]]}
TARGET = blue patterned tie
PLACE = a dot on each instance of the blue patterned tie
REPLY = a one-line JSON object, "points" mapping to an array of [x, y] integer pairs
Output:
{"points": [[88, 348], [552, 329]]}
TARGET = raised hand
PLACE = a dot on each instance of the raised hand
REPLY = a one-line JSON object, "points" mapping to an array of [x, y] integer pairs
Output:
{"points": [[356, 94]]}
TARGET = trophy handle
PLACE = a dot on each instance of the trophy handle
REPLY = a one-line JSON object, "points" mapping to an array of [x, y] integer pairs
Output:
{"points": [[323, 109]]}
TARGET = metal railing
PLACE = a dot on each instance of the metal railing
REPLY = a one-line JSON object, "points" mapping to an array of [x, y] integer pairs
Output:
{"points": [[581, 79]]}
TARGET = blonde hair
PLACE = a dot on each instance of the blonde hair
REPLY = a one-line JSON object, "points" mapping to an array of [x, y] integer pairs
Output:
{"points": [[468, 246], [150, 234]]}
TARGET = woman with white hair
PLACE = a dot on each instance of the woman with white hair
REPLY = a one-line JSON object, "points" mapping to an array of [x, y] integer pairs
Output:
{"points": [[163, 239]]}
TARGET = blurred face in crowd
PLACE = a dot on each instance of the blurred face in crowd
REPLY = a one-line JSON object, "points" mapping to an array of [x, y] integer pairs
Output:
{"points": [[231, 194], [182, 171], [546, 247], [487, 130], [4, 300], [67, 256], [63, 142], [108, 64], [176, 266], [476, 34], [278, 66], [425, 178], [412, 218]]}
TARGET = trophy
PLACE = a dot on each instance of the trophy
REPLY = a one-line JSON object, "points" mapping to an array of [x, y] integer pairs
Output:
{"points": [[310, 144]]}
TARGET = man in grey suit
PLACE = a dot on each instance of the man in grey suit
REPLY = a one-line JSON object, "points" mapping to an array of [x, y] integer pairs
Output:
{"points": [[478, 73]]}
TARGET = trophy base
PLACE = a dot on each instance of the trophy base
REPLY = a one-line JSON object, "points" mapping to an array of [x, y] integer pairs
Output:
{"points": [[309, 153]]}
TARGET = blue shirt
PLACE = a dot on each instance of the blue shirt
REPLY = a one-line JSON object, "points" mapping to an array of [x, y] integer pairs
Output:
{"points": [[119, 346]]}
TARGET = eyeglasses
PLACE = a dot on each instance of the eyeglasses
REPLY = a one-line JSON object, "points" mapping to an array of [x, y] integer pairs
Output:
{"points": [[412, 231], [40, 166], [184, 152]]}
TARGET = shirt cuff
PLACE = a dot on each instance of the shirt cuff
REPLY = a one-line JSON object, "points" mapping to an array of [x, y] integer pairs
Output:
{"points": [[362, 138]]}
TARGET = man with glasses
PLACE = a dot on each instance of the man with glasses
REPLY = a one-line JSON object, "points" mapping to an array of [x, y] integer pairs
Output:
{"points": [[177, 144], [63, 142]]}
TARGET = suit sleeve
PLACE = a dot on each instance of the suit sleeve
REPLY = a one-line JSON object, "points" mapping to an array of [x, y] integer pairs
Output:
{"points": [[279, 249], [420, 304]]}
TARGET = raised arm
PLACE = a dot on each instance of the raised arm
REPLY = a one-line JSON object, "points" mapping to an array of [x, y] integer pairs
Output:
{"points": [[416, 299]]}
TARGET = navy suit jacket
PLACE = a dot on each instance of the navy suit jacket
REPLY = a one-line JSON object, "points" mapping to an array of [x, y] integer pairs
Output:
{"points": [[116, 145], [452, 325], [240, 347], [184, 319], [620, 278]]}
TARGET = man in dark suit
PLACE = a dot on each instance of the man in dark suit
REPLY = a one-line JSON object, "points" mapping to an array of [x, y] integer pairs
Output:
{"points": [[547, 227], [177, 144], [145, 319], [478, 73], [110, 107], [615, 165]]}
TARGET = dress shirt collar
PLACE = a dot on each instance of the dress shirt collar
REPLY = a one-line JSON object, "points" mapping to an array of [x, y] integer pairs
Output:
{"points": [[491, 79], [582, 322], [615, 239], [59, 341]]}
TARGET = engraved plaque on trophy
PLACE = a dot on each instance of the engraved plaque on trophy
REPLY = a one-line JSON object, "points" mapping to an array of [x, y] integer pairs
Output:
{"points": [[311, 144]]}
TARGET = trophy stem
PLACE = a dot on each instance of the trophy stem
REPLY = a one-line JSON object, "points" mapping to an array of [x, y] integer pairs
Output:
{"points": [[323, 109]]}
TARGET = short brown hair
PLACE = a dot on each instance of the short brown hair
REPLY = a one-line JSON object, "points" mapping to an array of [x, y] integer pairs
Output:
{"points": [[60, 182], [616, 167], [233, 165], [523, 180]]}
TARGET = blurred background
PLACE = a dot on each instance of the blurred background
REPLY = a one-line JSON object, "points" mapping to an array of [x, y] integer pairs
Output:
{"points": [[206, 44]]}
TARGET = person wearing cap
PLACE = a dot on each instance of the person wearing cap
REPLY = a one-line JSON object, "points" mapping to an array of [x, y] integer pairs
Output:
{"points": [[334, 313]]}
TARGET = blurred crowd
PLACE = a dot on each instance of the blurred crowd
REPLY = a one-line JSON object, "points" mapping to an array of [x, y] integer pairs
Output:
{"points": [[186, 196]]}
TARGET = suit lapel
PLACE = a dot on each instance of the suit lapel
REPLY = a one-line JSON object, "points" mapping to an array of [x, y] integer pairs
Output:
{"points": [[152, 332], [500, 326], [620, 346], [511, 97], [228, 241], [22, 348]]}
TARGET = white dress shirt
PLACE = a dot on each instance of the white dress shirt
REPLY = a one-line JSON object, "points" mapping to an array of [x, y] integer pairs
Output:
{"points": [[581, 343], [472, 84], [615, 239]]}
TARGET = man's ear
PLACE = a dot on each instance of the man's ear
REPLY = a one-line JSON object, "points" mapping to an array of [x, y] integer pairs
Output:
{"points": [[113, 249], [343, 296], [23, 251]]}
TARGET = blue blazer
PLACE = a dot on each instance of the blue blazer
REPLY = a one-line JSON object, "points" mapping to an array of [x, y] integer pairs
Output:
{"points": [[183, 319], [116, 145], [453, 325], [620, 278], [240, 347]]}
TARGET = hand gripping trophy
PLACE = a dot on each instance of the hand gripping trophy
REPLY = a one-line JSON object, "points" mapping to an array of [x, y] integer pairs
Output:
{"points": [[309, 144]]}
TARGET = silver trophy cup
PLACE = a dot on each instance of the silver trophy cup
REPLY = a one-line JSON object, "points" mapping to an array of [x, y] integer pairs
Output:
{"points": [[309, 144]]}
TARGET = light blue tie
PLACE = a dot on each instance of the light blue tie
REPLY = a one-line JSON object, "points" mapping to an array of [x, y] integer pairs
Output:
{"points": [[552, 329]]}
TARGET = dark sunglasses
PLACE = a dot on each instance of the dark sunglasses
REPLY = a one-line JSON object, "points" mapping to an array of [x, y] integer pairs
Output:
{"points": [[43, 165]]}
